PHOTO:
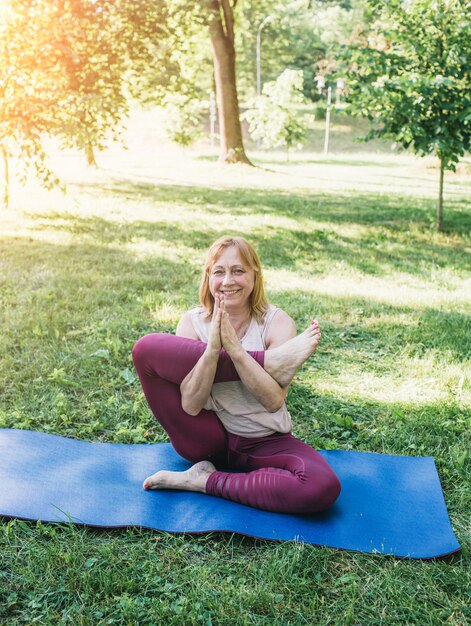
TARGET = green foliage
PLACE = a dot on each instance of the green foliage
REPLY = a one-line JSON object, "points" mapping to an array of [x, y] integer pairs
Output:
{"points": [[93, 62], [299, 36], [178, 69], [410, 76], [276, 118], [183, 118], [184, 87], [29, 94], [69, 68], [66, 71], [289, 40]]}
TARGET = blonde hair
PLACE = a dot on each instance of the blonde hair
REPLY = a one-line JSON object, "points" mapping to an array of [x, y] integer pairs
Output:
{"points": [[258, 301]]}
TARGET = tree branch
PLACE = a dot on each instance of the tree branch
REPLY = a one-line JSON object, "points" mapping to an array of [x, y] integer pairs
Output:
{"points": [[228, 18], [216, 25]]}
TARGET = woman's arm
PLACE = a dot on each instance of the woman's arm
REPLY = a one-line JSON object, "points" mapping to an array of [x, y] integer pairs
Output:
{"points": [[260, 384], [281, 330], [196, 386], [185, 328]]}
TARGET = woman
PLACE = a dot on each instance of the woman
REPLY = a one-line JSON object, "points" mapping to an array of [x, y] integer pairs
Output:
{"points": [[218, 388]]}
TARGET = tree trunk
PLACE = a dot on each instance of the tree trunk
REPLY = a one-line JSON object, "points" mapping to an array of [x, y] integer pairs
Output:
{"points": [[6, 178], [221, 30], [90, 154], [440, 198]]}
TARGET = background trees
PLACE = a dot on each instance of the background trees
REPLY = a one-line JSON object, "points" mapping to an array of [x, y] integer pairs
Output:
{"points": [[290, 40], [276, 119], [221, 24], [95, 54], [71, 68], [228, 65], [29, 90], [65, 70], [409, 74]]}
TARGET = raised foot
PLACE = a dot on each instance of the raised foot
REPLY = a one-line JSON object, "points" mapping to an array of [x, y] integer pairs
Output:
{"points": [[283, 362], [193, 479]]}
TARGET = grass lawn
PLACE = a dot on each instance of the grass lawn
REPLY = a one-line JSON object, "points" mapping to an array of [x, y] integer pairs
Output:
{"points": [[349, 239]]}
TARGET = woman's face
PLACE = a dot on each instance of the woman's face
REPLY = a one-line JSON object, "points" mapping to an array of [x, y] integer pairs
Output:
{"points": [[230, 278]]}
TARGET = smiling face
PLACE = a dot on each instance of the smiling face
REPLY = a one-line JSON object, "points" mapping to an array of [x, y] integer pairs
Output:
{"points": [[232, 266], [231, 278]]}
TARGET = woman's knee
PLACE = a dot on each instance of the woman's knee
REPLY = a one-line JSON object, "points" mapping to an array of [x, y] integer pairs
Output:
{"points": [[146, 346], [330, 489], [321, 490]]}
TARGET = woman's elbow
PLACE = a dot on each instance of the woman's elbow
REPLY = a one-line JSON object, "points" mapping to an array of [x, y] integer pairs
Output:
{"points": [[190, 407], [275, 404]]}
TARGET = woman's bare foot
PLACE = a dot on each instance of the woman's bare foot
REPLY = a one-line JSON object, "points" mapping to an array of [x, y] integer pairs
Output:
{"points": [[193, 479], [283, 362]]}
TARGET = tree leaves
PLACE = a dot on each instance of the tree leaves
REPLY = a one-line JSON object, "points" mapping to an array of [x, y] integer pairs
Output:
{"points": [[409, 74], [275, 116], [65, 68]]}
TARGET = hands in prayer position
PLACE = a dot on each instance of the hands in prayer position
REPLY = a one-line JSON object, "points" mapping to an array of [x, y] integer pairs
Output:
{"points": [[222, 334]]}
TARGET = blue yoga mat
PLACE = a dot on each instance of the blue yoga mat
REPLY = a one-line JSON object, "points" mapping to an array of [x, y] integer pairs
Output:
{"points": [[389, 504]]}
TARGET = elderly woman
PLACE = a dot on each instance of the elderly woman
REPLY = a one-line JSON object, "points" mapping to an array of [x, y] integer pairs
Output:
{"points": [[218, 388]]}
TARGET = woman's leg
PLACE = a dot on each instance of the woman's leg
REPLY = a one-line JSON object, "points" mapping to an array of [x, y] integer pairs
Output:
{"points": [[173, 357], [162, 362], [281, 473]]}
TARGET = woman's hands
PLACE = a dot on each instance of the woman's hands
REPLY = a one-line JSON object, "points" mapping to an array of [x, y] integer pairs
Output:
{"points": [[196, 386], [229, 339], [214, 335], [259, 382], [221, 332]]}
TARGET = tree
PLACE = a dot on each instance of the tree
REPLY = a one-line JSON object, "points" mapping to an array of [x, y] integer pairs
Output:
{"points": [[29, 95], [99, 43], [92, 63], [65, 69], [222, 35], [69, 67], [192, 69], [275, 118], [217, 20], [410, 77], [183, 118], [289, 40]]}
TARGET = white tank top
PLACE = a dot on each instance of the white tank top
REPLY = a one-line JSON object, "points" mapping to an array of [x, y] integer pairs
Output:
{"points": [[239, 411]]}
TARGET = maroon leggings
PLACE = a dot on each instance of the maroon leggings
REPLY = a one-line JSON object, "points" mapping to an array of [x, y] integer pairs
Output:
{"points": [[275, 473]]}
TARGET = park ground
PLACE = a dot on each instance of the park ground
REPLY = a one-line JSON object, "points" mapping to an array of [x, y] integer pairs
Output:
{"points": [[348, 238]]}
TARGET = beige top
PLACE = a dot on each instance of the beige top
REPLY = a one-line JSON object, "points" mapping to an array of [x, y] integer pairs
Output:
{"points": [[239, 411]]}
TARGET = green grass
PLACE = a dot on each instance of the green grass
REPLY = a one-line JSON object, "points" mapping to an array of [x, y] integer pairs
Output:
{"points": [[349, 239]]}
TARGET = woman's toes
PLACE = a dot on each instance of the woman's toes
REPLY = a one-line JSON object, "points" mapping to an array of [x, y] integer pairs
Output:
{"points": [[147, 484]]}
